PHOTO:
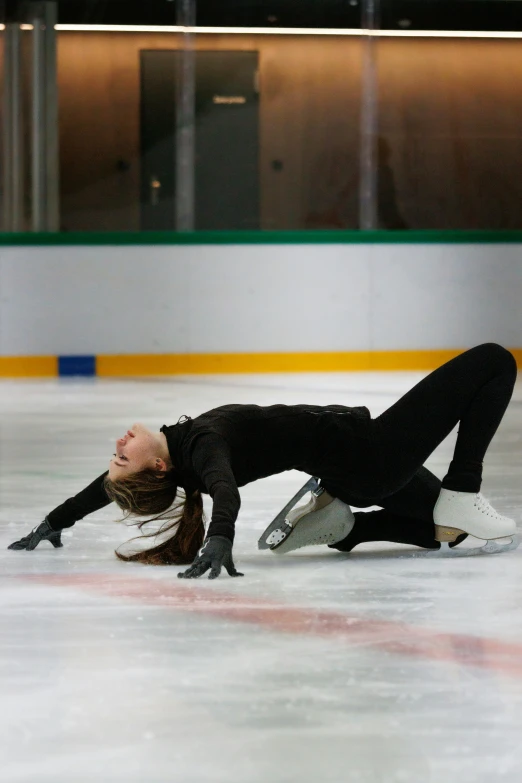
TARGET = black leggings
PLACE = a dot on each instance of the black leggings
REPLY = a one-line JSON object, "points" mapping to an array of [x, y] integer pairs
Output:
{"points": [[474, 389]]}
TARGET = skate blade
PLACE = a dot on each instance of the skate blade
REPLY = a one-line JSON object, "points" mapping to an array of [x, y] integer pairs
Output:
{"points": [[278, 523], [492, 547]]}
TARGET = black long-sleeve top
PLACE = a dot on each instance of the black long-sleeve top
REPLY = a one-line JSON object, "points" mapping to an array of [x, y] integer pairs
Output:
{"points": [[233, 445]]}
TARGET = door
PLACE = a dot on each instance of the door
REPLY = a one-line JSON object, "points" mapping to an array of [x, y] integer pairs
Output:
{"points": [[226, 140]]}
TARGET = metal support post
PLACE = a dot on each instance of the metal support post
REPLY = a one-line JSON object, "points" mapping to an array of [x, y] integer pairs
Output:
{"points": [[186, 122], [44, 158], [51, 117], [7, 158], [12, 147], [368, 207], [38, 135]]}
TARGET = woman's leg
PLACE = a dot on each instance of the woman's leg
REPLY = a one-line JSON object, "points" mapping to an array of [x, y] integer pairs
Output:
{"points": [[473, 389], [405, 518]]}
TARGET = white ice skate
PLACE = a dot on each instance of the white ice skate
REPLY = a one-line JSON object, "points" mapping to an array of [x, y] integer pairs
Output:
{"points": [[465, 512], [322, 520]]}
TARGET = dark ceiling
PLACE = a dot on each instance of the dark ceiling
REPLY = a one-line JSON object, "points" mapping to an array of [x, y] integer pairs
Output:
{"points": [[394, 14]]}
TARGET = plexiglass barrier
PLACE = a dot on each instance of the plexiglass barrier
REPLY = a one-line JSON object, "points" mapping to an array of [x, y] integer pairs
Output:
{"points": [[181, 118]]}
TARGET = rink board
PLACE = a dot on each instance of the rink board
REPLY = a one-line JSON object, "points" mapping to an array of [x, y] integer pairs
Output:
{"points": [[170, 309]]}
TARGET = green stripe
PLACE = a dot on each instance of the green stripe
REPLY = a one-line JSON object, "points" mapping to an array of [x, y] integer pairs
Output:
{"points": [[262, 238]]}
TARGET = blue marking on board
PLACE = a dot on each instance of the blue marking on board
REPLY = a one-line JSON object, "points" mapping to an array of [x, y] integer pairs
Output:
{"points": [[77, 365]]}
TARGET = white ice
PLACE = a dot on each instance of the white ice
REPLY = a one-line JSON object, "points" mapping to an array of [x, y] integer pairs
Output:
{"points": [[373, 666]]}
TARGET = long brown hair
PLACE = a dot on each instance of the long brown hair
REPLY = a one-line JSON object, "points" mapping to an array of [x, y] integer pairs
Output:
{"points": [[154, 492]]}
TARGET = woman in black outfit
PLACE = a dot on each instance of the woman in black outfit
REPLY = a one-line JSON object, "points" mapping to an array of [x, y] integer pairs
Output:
{"points": [[360, 460]]}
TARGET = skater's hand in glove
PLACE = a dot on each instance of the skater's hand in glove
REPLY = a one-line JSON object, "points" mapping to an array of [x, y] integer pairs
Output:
{"points": [[215, 553], [43, 532]]}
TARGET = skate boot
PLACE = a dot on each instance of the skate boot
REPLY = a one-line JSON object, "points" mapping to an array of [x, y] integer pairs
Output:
{"points": [[322, 520], [456, 513]]}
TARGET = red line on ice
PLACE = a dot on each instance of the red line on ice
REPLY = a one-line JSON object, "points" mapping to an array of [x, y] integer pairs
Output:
{"points": [[389, 635]]}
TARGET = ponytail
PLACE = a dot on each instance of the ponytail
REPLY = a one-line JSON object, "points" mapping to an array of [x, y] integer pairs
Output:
{"points": [[152, 492]]}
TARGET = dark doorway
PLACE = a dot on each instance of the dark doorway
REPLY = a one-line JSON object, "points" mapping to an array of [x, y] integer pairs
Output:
{"points": [[226, 140]]}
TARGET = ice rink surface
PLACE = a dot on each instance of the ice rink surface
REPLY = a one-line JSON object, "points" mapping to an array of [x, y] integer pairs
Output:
{"points": [[370, 667]]}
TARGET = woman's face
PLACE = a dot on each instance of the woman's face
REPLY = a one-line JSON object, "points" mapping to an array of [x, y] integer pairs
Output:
{"points": [[135, 451]]}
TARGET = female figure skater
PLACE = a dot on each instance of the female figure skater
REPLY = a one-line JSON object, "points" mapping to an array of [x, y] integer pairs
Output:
{"points": [[361, 461]]}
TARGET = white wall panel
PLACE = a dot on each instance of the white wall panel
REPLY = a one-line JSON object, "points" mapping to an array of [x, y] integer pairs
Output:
{"points": [[256, 298], [444, 296]]}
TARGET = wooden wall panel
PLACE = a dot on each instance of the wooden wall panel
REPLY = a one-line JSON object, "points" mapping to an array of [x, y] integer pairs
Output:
{"points": [[451, 114], [450, 130], [309, 125], [310, 109], [98, 77]]}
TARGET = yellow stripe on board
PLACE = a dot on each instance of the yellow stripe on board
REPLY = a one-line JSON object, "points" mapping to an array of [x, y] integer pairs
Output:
{"points": [[355, 361], [140, 365], [208, 364], [28, 366]]}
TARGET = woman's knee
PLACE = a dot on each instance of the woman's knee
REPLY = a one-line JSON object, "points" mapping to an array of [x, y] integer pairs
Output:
{"points": [[496, 353]]}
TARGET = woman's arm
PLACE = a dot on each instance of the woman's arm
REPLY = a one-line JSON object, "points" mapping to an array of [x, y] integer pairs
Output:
{"points": [[90, 499], [211, 464]]}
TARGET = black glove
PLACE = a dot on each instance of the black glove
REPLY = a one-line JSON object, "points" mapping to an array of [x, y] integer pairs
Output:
{"points": [[43, 532], [215, 553]]}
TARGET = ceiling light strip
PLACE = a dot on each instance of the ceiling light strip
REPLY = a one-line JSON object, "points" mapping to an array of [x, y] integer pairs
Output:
{"points": [[294, 31]]}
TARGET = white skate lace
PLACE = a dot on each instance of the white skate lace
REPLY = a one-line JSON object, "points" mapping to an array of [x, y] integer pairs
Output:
{"points": [[482, 505]]}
